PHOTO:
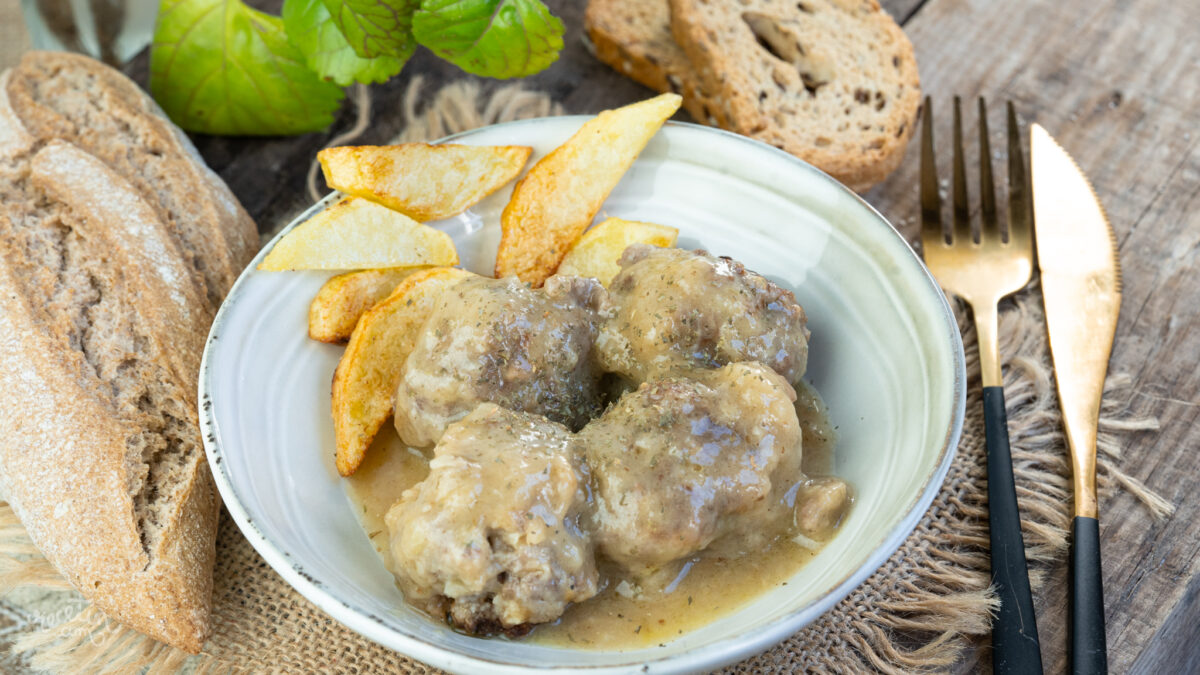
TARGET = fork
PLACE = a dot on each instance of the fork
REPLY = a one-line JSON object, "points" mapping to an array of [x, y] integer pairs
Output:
{"points": [[981, 272]]}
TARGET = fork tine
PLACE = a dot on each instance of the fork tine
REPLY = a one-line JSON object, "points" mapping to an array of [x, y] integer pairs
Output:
{"points": [[989, 229], [931, 201], [1019, 216], [962, 209]]}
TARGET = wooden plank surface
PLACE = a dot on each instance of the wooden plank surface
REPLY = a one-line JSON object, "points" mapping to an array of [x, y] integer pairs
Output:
{"points": [[1118, 83], [1111, 81]]}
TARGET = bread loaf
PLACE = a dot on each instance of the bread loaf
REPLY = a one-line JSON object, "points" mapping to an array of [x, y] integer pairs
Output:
{"points": [[72, 97], [833, 82], [116, 245]]}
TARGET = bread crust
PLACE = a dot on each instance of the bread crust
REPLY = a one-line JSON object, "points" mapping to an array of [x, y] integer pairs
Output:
{"points": [[634, 37], [103, 317], [205, 218], [63, 461], [846, 101], [111, 212]]}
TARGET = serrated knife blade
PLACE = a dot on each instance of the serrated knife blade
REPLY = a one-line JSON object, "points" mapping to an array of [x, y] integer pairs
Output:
{"points": [[1081, 289], [1082, 293]]}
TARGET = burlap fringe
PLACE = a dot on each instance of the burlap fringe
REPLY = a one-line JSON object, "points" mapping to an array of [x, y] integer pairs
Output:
{"points": [[915, 615]]}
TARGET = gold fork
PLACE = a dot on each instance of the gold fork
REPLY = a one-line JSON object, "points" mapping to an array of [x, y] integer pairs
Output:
{"points": [[982, 272]]}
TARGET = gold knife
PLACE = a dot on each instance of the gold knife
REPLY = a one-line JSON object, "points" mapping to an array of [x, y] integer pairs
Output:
{"points": [[1081, 289]]}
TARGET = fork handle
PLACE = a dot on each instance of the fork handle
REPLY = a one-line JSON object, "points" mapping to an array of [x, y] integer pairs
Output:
{"points": [[1015, 647], [1089, 653]]}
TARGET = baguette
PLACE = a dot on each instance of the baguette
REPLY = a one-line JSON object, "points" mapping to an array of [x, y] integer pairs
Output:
{"points": [[114, 252], [832, 82], [74, 98]]}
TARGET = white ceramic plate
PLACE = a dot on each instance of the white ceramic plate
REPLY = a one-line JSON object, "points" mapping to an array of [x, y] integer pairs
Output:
{"points": [[885, 354]]}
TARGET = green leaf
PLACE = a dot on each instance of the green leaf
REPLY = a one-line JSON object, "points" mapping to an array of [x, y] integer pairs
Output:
{"points": [[219, 67], [376, 27], [312, 31], [492, 38]]}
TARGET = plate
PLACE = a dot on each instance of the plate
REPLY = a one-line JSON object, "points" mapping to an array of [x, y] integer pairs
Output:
{"points": [[885, 354]]}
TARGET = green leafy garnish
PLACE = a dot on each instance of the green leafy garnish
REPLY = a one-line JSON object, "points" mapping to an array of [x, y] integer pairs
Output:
{"points": [[219, 67], [376, 27], [492, 38], [313, 32]]}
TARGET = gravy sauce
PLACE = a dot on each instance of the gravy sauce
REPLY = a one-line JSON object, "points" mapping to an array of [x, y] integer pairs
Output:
{"points": [[623, 615], [389, 468]]}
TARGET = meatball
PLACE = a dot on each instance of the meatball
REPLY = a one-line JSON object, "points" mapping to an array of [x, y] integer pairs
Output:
{"points": [[677, 460], [672, 310], [501, 341], [491, 539], [820, 507]]}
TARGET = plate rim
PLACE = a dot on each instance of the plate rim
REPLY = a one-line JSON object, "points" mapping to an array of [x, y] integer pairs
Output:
{"points": [[716, 654]]}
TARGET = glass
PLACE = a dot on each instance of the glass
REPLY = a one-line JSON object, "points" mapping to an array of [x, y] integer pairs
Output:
{"points": [[113, 31]]}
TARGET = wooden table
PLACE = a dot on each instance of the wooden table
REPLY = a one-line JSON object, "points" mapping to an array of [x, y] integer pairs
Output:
{"points": [[1118, 83]]}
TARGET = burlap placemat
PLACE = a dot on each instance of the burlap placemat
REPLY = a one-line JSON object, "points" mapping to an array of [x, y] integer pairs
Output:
{"points": [[917, 613]]}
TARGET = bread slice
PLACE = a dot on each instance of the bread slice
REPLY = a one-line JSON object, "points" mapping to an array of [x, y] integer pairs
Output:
{"points": [[77, 99], [833, 82], [634, 37], [105, 299]]}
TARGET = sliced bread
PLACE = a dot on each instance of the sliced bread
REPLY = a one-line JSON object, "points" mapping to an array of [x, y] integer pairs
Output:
{"points": [[833, 82], [108, 280], [634, 37]]}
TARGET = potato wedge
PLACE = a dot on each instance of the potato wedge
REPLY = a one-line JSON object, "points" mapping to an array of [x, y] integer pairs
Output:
{"points": [[422, 181], [342, 300], [365, 380], [556, 201], [357, 234], [598, 250]]}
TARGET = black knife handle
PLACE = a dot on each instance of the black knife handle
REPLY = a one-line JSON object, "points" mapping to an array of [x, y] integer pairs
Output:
{"points": [[1089, 648], [1015, 647]]}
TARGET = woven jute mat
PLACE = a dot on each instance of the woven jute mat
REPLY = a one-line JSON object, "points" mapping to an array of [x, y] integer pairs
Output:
{"points": [[918, 613]]}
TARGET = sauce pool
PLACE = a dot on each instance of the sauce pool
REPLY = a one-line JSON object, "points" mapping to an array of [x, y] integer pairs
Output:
{"points": [[623, 615]]}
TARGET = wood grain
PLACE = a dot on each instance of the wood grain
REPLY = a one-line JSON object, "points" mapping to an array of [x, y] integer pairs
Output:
{"points": [[1108, 79], [1117, 83]]}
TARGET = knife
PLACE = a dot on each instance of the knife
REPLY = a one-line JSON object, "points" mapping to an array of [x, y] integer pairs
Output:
{"points": [[1081, 289]]}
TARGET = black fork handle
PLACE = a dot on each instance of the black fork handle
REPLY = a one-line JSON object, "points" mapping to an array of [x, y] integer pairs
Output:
{"points": [[1015, 647], [1089, 649]]}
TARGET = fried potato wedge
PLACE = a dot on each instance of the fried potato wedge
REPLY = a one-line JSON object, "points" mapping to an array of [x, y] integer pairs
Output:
{"points": [[357, 234], [556, 201], [365, 380], [598, 250], [342, 300], [422, 181]]}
